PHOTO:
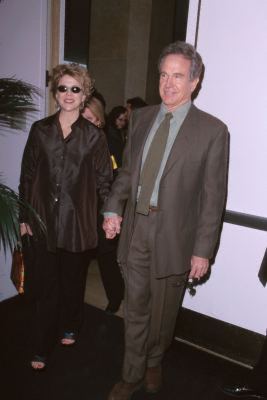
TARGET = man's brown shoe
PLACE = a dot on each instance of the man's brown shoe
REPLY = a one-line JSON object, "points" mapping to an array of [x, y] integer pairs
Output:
{"points": [[153, 379], [124, 390]]}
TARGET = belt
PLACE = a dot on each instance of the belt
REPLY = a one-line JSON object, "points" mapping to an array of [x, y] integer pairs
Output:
{"points": [[153, 208]]}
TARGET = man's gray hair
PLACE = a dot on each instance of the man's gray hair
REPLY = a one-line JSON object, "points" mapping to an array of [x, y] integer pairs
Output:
{"points": [[187, 51]]}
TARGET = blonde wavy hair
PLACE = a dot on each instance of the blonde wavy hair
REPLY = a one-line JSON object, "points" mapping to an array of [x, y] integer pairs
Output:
{"points": [[97, 109], [77, 72]]}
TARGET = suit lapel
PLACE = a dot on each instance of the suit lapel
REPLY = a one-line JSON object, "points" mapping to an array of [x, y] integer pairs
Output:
{"points": [[182, 140]]}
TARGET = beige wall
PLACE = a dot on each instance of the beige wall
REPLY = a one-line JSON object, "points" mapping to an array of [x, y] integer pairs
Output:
{"points": [[137, 48], [126, 37], [161, 34], [108, 48]]}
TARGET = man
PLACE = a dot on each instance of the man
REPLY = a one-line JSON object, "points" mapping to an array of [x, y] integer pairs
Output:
{"points": [[173, 187]]}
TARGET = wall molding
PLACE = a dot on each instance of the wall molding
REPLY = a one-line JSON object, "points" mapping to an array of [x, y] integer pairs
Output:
{"points": [[218, 337]]}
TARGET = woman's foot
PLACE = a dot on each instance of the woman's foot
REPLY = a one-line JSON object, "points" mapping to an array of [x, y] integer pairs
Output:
{"points": [[68, 339], [38, 363]]}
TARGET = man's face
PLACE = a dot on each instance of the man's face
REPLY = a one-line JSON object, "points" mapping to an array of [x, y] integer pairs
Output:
{"points": [[175, 86]]}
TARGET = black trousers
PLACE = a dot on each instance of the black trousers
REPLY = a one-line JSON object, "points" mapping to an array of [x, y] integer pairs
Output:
{"points": [[111, 276], [56, 282]]}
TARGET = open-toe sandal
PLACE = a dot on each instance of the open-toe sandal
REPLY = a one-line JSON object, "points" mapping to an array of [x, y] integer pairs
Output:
{"points": [[38, 363], [68, 339]]}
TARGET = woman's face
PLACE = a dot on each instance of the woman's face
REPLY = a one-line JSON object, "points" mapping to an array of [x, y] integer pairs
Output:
{"points": [[88, 114], [69, 94], [121, 121]]}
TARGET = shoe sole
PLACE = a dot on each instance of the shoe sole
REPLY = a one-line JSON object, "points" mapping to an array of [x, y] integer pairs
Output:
{"points": [[245, 396]]}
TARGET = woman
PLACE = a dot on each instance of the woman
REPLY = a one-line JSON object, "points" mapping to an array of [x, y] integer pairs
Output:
{"points": [[65, 167], [107, 249], [94, 112], [116, 132]]}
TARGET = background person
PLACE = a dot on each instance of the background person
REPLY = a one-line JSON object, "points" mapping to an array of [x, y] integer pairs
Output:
{"points": [[106, 252], [174, 179], [116, 131], [94, 112], [65, 166], [133, 104]]}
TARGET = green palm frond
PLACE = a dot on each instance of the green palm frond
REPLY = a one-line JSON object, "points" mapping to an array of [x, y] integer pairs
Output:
{"points": [[10, 207], [16, 99], [17, 105]]}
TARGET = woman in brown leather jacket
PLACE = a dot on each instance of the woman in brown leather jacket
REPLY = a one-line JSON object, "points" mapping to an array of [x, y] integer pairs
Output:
{"points": [[65, 167]]}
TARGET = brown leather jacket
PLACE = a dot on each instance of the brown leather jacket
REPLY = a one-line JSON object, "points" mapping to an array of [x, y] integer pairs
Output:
{"points": [[62, 179]]}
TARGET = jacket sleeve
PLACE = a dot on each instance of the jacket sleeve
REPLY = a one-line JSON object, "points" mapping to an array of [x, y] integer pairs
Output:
{"points": [[103, 168], [121, 187], [213, 195], [28, 170]]}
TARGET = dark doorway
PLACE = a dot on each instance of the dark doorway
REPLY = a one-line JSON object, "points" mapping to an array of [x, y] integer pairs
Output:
{"points": [[77, 30]]}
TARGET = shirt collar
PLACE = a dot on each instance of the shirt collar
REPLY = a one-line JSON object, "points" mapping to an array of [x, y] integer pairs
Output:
{"points": [[179, 112]]}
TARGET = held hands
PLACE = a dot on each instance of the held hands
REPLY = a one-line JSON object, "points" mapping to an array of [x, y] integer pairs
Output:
{"points": [[25, 229], [199, 267], [112, 226]]}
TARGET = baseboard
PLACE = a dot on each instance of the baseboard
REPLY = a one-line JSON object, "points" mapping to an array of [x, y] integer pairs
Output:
{"points": [[219, 337]]}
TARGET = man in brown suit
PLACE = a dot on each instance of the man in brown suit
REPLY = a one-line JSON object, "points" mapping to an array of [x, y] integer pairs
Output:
{"points": [[169, 233]]}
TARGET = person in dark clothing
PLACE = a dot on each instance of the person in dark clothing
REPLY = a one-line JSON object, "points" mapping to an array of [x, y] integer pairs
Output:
{"points": [[106, 253], [116, 133], [65, 168]]}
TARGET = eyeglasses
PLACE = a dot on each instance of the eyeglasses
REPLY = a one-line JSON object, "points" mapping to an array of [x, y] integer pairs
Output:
{"points": [[73, 89]]}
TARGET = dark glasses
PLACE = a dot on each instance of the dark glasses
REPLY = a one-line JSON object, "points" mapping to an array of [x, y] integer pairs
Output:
{"points": [[73, 89]]}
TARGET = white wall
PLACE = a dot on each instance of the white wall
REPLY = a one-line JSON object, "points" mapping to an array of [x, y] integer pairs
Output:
{"points": [[23, 55], [232, 40]]}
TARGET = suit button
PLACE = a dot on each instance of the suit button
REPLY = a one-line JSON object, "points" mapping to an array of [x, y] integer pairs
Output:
{"points": [[56, 199]]}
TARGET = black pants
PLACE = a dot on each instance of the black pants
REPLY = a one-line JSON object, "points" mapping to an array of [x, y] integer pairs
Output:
{"points": [[56, 281], [109, 269], [111, 278]]}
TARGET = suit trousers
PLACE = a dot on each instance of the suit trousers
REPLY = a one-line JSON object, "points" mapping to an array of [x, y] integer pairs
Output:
{"points": [[58, 284], [150, 304]]}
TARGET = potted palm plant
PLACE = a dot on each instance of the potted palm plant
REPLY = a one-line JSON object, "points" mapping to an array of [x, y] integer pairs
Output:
{"points": [[17, 102]]}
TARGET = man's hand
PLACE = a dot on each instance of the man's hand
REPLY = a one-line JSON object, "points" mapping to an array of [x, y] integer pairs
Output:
{"points": [[25, 229], [112, 226], [199, 267]]}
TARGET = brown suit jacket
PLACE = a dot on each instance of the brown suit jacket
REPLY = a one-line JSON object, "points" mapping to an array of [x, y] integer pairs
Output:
{"points": [[192, 190]]}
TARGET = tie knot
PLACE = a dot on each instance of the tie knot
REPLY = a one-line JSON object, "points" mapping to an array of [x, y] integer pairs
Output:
{"points": [[168, 116]]}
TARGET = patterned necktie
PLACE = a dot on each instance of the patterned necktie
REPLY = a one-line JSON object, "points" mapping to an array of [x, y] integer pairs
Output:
{"points": [[152, 164]]}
